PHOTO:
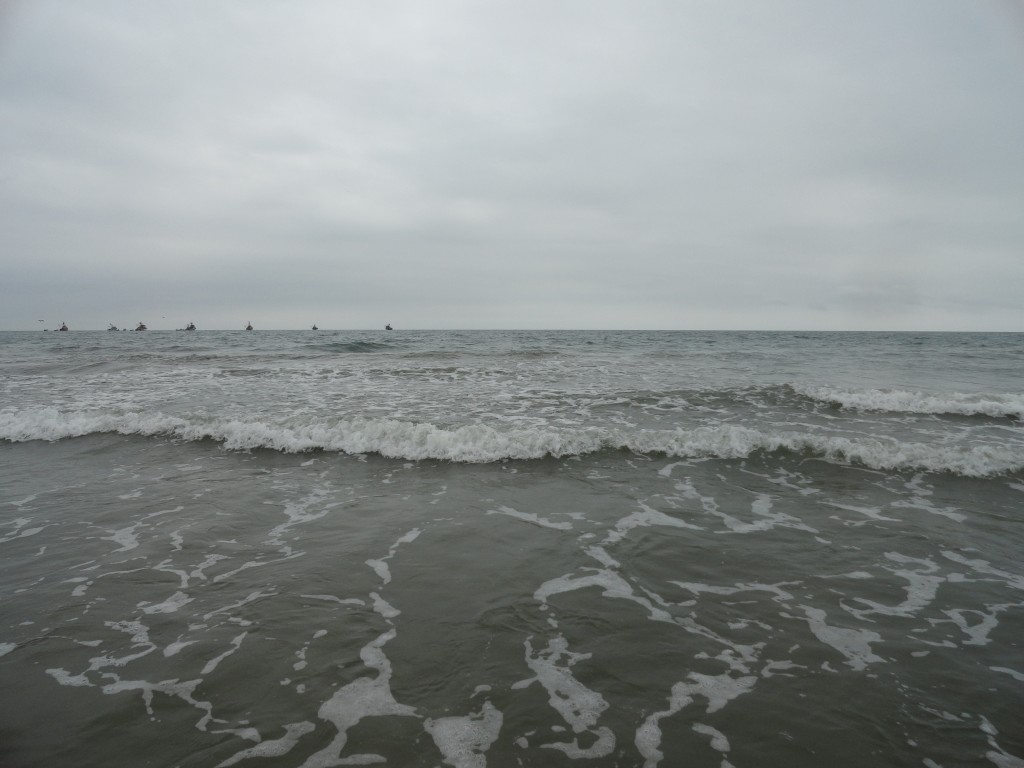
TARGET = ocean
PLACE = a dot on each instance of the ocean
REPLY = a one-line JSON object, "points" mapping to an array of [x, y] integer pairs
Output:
{"points": [[511, 548]]}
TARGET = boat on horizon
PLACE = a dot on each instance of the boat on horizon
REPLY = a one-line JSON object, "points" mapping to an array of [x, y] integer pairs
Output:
{"points": [[141, 326]]}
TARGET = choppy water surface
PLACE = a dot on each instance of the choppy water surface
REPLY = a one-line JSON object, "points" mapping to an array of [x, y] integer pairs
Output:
{"points": [[469, 549]]}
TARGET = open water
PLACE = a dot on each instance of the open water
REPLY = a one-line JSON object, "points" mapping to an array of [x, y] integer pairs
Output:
{"points": [[511, 549]]}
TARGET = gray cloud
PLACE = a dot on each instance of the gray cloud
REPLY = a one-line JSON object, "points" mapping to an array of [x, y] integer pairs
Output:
{"points": [[591, 164]]}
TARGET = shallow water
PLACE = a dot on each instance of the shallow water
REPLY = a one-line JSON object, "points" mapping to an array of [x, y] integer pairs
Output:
{"points": [[539, 554]]}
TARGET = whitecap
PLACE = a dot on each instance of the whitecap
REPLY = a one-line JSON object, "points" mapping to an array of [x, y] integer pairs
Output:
{"points": [[481, 443], [905, 401]]}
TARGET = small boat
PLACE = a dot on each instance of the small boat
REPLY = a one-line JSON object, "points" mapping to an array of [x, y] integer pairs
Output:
{"points": [[63, 327], [248, 326], [388, 327], [191, 326], [315, 328], [113, 328], [141, 326]]}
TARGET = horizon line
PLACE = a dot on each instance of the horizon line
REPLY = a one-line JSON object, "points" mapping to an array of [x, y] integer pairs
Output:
{"points": [[511, 330]]}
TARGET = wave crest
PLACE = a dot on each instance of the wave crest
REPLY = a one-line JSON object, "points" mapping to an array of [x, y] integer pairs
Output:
{"points": [[902, 401], [481, 443], [352, 346]]}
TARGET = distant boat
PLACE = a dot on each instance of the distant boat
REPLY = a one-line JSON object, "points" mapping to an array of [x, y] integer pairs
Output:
{"points": [[388, 327], [141, 326], [113, 328], [63, 327], [315, 328], [248, 327], [191, 326]]}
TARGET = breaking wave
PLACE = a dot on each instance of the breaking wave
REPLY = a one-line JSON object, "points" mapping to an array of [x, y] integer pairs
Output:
{"points": [[481, 443], [959, 404]]}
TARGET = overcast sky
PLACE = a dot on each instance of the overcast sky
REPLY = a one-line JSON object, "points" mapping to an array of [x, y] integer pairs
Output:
{"points": [[513, 164]]}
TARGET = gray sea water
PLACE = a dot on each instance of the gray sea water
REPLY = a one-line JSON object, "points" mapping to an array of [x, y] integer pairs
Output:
{"points": [[511, 549]]}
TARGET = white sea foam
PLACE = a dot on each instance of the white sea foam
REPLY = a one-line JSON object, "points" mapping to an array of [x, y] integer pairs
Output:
{"points": [[170, 605], [20, 531], [1018, 676], [335, 599], [179, 689], [381, 569], [63, 677], [1013, 580], [645, 517], [612, 585], [873, 513], [173, 649], [480, 443], [719, 690], [464, 741], [251, 597], [921, 588], [896, 400], [212, 663], [978, 631], [719, 742], [781, 596], [761, 507], [997, 755], [363, 697], [313, 506], [125, 537], [854, 644], [531, 518], [275, 747], [578, 705], [380, 565], [383, 607]]}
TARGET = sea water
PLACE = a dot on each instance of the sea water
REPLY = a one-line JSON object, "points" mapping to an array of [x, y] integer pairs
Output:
{"points": [[511, 549]]}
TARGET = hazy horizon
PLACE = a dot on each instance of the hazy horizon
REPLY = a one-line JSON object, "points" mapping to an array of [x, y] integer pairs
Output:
{"points": [[396, 329]]}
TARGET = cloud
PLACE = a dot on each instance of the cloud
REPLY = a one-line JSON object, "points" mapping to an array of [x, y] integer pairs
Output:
{"points": [[512, 164]]}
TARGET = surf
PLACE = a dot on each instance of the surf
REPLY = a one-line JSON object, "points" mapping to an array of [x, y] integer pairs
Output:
{"points": [[486, 443]]}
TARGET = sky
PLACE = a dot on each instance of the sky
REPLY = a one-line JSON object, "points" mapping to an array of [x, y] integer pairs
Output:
{"points": [[667, 164]]}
